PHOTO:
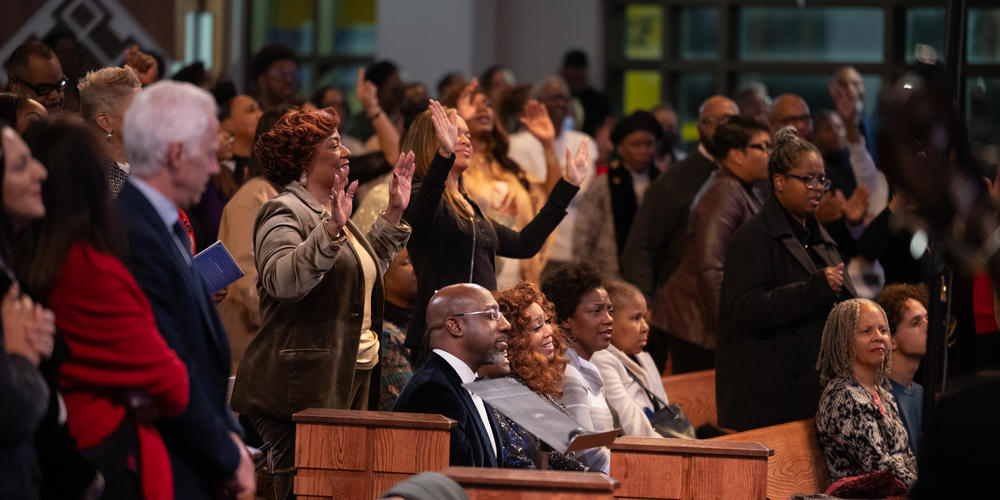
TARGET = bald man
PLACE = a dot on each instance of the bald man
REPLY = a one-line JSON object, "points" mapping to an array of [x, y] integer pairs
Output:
{"points": [[467, 331], [653, 248], [790, 109]]}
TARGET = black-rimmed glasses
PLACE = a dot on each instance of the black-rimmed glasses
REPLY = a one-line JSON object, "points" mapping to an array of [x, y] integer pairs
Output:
{"points": [[43, 89], [763, 146], [812, 181]]}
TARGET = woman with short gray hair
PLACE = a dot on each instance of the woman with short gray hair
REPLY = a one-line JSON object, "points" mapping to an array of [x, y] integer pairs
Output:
{"points": [[105, 95]]}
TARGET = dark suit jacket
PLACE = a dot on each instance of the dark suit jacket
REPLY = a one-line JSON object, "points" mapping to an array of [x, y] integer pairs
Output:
{"points": [[656, 239], [201, 450], [772, 308], [436, 388]]}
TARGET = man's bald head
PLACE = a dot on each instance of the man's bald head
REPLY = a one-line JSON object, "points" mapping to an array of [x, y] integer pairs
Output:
{"points": [[790, 109], [460, 320], [714, 111]]}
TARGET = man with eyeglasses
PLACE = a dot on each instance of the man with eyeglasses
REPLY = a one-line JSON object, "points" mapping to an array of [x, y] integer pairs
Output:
{"points": [[33, 70], [466, 331], [275, 71], [656, 239]]}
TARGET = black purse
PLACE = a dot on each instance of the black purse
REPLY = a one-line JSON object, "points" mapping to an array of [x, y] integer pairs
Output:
{"points": [[668, 420]]}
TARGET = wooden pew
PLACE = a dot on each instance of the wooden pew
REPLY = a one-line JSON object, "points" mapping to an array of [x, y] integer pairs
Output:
{"points": [[695, 393], [515, 484], [798, 465], [655, 468], [349, 454]]}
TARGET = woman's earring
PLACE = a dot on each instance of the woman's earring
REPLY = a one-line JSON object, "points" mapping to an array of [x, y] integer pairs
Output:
{"points": [[303, 180], [108, 137]]}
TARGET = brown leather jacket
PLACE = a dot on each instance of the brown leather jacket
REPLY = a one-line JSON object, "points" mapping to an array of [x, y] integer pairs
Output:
{"points": [[687, 307], [311, 305]]}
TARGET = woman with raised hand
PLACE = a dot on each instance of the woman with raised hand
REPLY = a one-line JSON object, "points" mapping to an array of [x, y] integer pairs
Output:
{"points": [[320, 285], [857, 421], [453, 241]]}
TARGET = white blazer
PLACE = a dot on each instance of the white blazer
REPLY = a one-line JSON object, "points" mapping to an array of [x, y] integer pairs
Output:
{"points": [[624, 394]]}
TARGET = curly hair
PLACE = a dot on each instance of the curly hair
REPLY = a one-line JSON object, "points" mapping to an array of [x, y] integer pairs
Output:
{"points": [[286, 150], [567, 286], [539, 374], [893, 297], [836, 351]]}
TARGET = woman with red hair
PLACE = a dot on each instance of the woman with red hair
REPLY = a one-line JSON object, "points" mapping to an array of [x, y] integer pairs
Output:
{"points": [[320, 285]]}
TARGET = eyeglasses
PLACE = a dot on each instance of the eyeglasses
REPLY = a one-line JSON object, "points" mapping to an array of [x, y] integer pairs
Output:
{"points": [[494, 314], [812, 182], [43, 89], [763, 146]]}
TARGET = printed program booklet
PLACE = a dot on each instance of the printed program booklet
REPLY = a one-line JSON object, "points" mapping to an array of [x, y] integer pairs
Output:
{"points": [[217, 267]]}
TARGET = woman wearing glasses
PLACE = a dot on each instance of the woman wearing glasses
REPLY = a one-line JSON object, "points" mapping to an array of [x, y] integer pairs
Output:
{"points": [[782, 277], [687, 307]]}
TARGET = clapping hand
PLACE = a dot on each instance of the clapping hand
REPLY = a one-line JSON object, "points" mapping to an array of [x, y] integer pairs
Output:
{"points": [[465, 105], [340, 200], [835, 277], [536, 120], [856, 206], [29, 328], [399, 187], [577, 166], [446, 126]]}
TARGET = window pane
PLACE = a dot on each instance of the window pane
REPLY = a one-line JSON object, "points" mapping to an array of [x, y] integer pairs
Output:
{"points": [[692, 90], [926, 27], [346, 27], [983, 111], [815, 89], [829, 34], [699, 33], [643, 32], [984, 36], [289, 22], [642, 90]]}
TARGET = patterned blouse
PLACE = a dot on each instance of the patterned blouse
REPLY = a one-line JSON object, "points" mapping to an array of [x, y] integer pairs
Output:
{"points": [[857, 438]]}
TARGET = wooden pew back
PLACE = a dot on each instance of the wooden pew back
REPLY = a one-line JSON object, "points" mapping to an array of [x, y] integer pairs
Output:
{"points": [[798, 465], [680, 469], [695, 393], [516, 484], [350, 454]]}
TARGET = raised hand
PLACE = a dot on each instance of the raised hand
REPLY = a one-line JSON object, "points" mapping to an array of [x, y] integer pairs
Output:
{"points": [[579, 164], [399, 187], [368, 95], [143, 65], [340, 201], [831, 207], [856, 206], [446, 126], [465, 105], [536, 120]]}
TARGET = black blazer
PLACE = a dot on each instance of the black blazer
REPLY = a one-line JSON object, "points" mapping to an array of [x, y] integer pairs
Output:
{"points": [[201, 450], [773, 305], [436, 388]]}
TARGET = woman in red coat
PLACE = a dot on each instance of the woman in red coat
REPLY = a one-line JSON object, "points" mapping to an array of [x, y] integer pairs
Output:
{"points": [[119, 374]]}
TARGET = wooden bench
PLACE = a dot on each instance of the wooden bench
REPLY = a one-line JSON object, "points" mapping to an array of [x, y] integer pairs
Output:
{"points": [[798, 465], [516, 484], [349, 454], [654, 468], [695, 393]]}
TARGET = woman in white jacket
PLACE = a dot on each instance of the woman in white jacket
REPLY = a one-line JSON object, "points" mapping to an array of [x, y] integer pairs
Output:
{"points": [[630, 377]]}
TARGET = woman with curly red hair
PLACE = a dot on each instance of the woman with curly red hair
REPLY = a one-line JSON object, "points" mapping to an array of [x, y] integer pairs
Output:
{"points": [[320, 285]]}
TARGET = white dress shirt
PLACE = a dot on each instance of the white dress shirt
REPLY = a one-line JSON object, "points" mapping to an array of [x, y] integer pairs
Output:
{"points": [[467, 375]]}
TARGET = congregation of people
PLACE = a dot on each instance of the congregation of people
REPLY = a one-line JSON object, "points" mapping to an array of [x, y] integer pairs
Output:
{"points": [[393, 253]]}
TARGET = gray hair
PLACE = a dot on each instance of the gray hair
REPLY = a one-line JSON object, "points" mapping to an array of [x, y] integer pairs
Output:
{"points": [[104, 89], [836, 351], [162, 113], [538, 89]]}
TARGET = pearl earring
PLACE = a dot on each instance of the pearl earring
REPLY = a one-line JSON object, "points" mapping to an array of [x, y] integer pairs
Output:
{"points": [[108, 137], [303, 180]]}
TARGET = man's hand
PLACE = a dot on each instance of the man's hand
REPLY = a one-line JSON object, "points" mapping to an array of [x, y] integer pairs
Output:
{"points": [[831, 207], [856, 206]]}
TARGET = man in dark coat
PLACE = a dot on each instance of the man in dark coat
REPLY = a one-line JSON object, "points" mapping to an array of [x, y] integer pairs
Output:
{"points": [[171, 136], [656, 239], [467, 331]]}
